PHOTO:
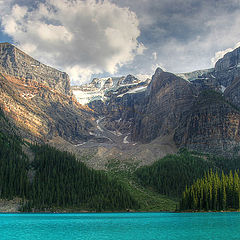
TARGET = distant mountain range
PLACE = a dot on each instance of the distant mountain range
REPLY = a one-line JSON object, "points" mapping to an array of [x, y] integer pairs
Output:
{"points": [[125, 117]]}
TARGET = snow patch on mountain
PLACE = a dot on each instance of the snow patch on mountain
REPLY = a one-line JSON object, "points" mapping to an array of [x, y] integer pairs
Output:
{"points": [[222, 88], [103, 88], [191, 76]]}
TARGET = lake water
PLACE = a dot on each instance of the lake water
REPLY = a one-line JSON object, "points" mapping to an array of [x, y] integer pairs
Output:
{"points": [[120, 226]]}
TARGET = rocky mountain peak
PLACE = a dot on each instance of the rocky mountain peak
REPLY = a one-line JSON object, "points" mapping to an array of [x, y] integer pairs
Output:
{"points": [[158, 72], [18, 64], [130, 79], [108, 83], [230, 60]]}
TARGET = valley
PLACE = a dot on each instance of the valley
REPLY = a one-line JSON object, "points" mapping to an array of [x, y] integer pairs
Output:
{"points": [[147, 138]]}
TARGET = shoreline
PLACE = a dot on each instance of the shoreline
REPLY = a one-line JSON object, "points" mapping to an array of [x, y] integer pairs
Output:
{"points": [[94, 212]]}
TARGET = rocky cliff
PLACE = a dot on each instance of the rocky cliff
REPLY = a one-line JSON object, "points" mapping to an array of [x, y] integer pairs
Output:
{"points": [[199, 109], [37, 99], [167, 98], [211, 125], [16, 63]]}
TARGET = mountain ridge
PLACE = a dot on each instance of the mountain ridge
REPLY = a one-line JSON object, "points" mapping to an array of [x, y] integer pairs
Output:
{"points": [[17, 63], [128, 117]]}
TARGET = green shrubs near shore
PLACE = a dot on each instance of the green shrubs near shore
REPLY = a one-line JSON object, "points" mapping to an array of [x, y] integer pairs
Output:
{"points": [[213, 192]]}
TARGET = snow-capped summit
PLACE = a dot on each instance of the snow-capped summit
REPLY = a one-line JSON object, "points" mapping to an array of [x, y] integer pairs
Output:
{"points": [[102, 88]]}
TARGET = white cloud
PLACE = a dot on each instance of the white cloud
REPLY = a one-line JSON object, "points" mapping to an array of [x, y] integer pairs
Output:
{"points": [[82, 36], [143, 77], [77, 72], [185, 34], [197, 53], [5, 6]]}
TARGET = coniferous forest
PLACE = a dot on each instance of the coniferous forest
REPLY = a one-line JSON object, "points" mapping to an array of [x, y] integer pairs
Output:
{"points": [[62, 181], [55, 179], [13, 168], [171, 174], [212, 189], [213, 192]]}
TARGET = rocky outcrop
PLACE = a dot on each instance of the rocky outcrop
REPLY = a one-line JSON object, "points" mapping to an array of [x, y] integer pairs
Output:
{"points": [[16, 63], [106, 89], [167, 98], [41, 113], [230, 60], [211, 125], [232, 93], [129, 79]]}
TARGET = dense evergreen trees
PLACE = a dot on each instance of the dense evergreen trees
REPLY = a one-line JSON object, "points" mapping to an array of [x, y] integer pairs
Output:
{"points": [[55, 179], [13, 168], [61, 181], [171, 174], [213, 192]]}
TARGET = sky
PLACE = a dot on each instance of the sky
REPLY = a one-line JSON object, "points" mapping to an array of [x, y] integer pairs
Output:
{"points": [[96, 38]]}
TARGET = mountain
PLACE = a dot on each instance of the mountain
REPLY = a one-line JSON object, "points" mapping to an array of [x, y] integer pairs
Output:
{"points": [[38, 99], [15, 62], [198, 110], [116, 124], [123, 117], [103, 88], [167, 98]]}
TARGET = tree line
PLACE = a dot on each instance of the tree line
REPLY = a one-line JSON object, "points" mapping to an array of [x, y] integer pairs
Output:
{"points": [[62, 181], [13, 168], [56, 180], [171, 174], [213, 192]]}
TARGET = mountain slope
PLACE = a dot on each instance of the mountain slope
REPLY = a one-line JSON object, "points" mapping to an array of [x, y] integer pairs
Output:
{"points": [[41, 108], [211, 125], [15, 62]]}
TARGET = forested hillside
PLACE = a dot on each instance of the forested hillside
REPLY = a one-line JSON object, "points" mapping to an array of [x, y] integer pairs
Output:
{"points": [[62, 181], [13, 168], [213, 192], [173, 173], [54, 179]]}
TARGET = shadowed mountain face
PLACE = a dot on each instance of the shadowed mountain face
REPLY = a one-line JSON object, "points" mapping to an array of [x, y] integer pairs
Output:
{"points": [[211, 125], [167, 98]]}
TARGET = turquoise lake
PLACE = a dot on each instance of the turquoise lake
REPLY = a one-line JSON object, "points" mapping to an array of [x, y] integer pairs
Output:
{"points": [[120, 226]]}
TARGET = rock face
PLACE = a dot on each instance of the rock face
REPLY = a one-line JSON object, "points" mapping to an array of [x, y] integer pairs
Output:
{"points": [[232, 93], [104, 89], [211, 125], [129, 79], [16, 63], [167, 98], [226, 71], [38, 99], [41, 112], [230, 60], [198, 110]]}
